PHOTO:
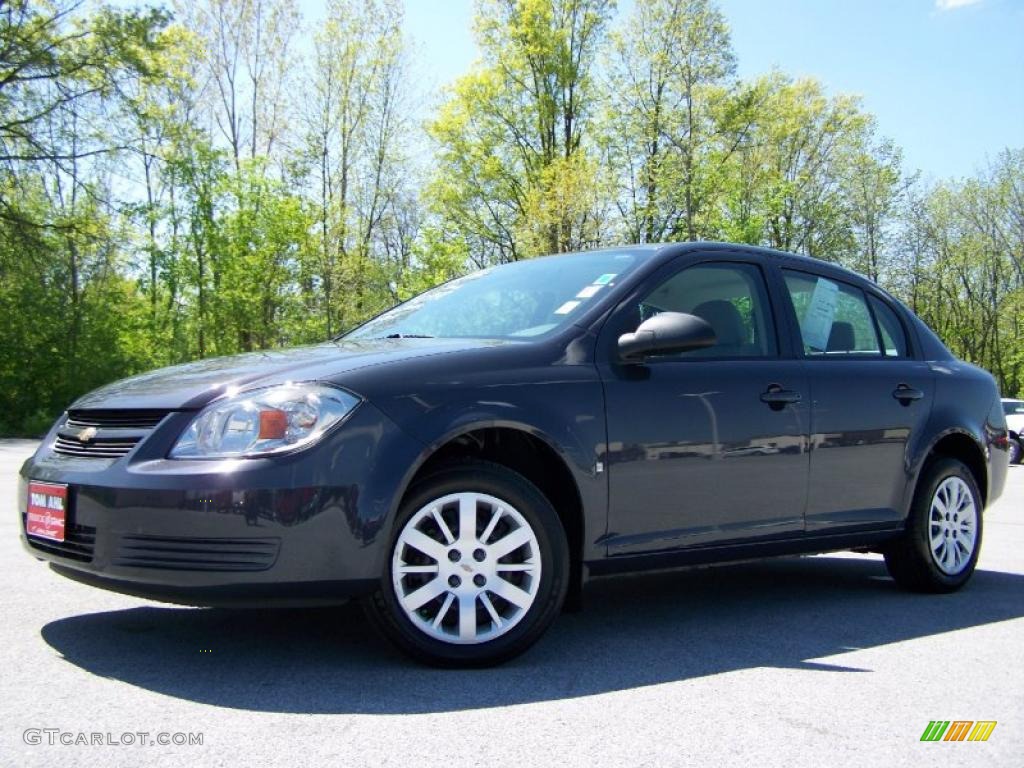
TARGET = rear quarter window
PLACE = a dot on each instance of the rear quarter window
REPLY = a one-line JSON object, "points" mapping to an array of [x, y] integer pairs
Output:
{"points": [[894, 338]]}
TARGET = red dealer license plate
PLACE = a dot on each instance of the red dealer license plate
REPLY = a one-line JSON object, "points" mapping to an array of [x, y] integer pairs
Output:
{"points": [[47, 511]]}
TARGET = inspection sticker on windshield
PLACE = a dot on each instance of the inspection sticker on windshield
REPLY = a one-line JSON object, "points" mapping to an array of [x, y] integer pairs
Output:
{"points": [[817, 322], [604, 279], [589, 291], [568, 307]]}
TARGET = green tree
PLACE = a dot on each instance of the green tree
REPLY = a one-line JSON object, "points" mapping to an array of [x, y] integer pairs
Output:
{"points": [[668, 127], [510, 130], [264, 240], [791, 169], [63, 260], [874, 187], [356, 162], [162, 111], [959, 265], [177, 190], [246, 59]]}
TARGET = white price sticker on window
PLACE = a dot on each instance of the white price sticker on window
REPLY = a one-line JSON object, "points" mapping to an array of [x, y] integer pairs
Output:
{"points": [[817, 323]]}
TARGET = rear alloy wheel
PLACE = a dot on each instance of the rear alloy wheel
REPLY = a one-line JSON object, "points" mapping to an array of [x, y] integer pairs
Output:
{"points": [[940, 548], [477, 569], [1015, 450], [952, 525]]}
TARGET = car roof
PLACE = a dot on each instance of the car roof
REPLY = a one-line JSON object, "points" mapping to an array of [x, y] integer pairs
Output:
{"points": [[667, 251], [657, 254], [663, 252]]}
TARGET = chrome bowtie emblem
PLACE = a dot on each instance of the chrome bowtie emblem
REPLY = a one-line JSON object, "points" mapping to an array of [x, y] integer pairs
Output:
{"points": [[87, 434]]}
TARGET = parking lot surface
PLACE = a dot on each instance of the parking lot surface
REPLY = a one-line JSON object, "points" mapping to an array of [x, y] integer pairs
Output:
{"points": [[798, 661]]}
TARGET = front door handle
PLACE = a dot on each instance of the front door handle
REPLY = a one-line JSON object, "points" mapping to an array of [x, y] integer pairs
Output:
{"points": [[906, 394], [778, 398]]}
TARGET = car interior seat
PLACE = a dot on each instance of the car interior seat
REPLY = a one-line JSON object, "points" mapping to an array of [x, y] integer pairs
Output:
{"points": [[841, 338], [728, 325]]}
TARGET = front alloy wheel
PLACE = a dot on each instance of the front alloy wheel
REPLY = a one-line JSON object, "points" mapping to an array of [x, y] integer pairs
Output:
{"points": [[466, 568], [477, 570]]}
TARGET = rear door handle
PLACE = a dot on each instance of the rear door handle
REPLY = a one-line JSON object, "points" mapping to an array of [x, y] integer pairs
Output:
{"points": [[907, 394], [777, 397]]}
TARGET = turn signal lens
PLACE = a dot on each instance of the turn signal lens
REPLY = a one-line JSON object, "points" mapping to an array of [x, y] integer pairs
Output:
{"points": [[273, 425]]}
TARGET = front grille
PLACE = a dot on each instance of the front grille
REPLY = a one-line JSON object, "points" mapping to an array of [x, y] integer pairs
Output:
{"points": [[196, 554], [139, 419], [94, 449], [104, 434], [79, 542]]}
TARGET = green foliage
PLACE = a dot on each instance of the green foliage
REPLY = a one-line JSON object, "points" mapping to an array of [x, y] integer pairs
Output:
{"points": [[72, 319], [513, 134], [961, 266], [670, 124], [195, 186], [70, 311]]}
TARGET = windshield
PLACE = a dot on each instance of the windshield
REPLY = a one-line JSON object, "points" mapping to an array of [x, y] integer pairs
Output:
{"points": [[1013, 406], [518, 300]]}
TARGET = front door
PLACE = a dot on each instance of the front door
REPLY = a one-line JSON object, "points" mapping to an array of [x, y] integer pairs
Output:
{"points": [[710, 446]]}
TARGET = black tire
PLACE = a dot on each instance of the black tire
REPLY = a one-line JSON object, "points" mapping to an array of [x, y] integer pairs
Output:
{"points": [[1015, 450], [909, 559], [389, 617]]}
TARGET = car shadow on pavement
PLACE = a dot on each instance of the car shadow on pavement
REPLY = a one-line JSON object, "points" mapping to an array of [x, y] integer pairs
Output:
{"points": [[634, 631]]}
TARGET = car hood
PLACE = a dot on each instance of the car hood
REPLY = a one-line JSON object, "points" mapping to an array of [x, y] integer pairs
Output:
{"points": [[193, 385]]}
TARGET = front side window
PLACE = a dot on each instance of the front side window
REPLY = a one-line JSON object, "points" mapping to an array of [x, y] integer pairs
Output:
{"points": [[733, 300], [834, 317]]}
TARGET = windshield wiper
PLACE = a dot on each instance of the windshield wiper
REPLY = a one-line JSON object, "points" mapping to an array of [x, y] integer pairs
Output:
{"points": [[407, 336]]}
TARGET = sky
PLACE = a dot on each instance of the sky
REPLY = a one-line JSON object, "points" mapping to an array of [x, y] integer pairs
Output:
{"points": [[945, 78]]}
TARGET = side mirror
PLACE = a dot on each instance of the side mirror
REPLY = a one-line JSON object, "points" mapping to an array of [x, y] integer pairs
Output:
{"points": [[666, 333]]}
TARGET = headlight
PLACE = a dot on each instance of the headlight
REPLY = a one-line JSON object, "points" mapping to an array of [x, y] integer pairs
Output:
{"points": [[265, 421]]}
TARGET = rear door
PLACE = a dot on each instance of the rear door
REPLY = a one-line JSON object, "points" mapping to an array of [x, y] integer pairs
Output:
{"points": [[870, 399]]}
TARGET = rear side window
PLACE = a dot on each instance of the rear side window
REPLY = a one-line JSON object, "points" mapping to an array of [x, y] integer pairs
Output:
{"points": [[834, 317], [894, 339]]}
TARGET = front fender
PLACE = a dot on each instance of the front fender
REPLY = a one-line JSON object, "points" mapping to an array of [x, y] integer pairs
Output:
{"points": [[566, 412]]}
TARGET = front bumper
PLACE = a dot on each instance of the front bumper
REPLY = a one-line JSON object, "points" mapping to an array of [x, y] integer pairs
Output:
{"points": [[308, 527]]}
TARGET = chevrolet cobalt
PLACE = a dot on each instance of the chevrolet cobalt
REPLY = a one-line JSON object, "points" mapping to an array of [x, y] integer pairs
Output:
{"points": [[465, 462]]}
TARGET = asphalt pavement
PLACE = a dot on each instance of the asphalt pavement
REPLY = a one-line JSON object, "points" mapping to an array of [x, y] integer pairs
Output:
{"points": [[800, 661]]}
